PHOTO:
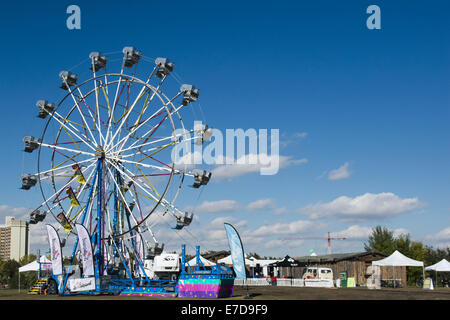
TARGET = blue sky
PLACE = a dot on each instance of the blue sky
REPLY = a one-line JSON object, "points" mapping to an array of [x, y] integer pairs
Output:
{"points": [[372, 103]]}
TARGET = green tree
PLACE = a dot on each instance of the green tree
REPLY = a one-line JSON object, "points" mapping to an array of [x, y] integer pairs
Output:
{"points": [[28, 278], [414, 250], [9, 273], [254, 254], [384, 241], [381, 240]]}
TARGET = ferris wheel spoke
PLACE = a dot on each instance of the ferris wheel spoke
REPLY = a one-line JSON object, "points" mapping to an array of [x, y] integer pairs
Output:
{"points": [[79, 111], [163, 201], [105, 94], [139, 96], [121, 196], [147, 165], [74, 133], [132, 131], [65, 186], [137, 126], [89, 109], [63, 167], [148, 181], [136, 200], [84, 187], [158, 139], [115, 100], [156, 151], [135, 178], [157, 148], [126, 106], [75, 199], [53, 146], [97, 109], [153, 129], [67, 158], [146, 104], [134, 181], [124, 118]]}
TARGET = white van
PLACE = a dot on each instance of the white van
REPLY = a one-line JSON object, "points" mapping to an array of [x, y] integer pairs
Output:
{"points": [[165, 266], [318, 277]]}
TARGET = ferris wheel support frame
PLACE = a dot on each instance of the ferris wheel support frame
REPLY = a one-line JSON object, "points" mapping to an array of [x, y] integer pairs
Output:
{"points": [[103, 140], [97, 236]]}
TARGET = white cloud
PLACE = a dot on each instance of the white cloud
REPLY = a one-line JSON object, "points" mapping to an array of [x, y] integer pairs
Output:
{"points": [[400, 232], [260, 204], [294, 227], [300, 135], [219, 221], [290, 139], [443, 235], [339, 173], [281, 210], [281, 245], [38, 234], [18, 213], [189, 159], [215, 206], [252, 163], [364, 207], [354, 232]]}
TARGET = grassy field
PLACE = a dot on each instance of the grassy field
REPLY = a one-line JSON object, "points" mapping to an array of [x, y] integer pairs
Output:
{"points": [[274, 293]]}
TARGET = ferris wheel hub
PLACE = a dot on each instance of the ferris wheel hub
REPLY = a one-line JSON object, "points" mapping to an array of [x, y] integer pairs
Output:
{"points": [[100, 153]]}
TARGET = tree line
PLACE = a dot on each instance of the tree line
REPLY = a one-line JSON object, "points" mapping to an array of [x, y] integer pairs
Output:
{"points": [[9, 273], [384, 241]]}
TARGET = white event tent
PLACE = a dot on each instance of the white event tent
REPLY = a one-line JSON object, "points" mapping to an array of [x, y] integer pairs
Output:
{"points": [[251, 262], [228, 260], [441, 266], [44, 263], [34, 266], [397, 259], [206, 263]]}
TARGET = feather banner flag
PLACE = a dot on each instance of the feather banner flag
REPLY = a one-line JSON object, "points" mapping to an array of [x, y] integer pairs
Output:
{"points": [[87, 257], [140, 253], [55, 250], [237, 251]]}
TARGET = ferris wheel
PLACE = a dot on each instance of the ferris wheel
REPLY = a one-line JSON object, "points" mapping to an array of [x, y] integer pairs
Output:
{"points": [[106, 153]]}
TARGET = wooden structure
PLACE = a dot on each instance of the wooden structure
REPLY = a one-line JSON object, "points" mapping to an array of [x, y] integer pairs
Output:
{"points": [[356, 265]]}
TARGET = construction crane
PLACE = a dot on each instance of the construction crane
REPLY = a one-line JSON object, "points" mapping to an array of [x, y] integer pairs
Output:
{"points": [[329, 238]]}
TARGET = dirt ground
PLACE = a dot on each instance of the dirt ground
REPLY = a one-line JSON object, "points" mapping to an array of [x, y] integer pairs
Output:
{"points": [[275, 293]]}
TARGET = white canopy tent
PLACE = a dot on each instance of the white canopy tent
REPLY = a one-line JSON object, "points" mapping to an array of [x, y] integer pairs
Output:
{"points": [[441, 266], [251, 262], [34, 266], [228, 260], [397, 259], [205, 262], [43, 264]]}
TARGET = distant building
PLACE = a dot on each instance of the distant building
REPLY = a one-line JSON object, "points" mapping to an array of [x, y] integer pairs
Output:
{"points": [[355, 264], [14, 239]]}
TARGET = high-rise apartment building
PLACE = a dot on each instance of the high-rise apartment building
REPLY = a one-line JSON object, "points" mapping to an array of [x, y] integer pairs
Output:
{"points": [[14, 239]]}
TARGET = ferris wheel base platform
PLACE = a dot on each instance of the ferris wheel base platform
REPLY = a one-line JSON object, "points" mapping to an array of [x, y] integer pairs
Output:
{"points": [[210, 286], [146, 291]]}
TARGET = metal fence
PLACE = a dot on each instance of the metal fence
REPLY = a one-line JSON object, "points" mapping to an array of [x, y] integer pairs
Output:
{"points": [[268, 282]]}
